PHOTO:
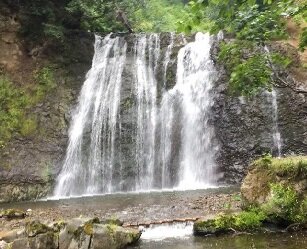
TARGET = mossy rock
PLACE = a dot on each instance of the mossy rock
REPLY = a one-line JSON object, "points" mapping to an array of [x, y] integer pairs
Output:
{"points": [[251, 220], [12, 214], [35, 227], [278, 187], [291, 171], [112, 236], [113, 221], [207, 227]]}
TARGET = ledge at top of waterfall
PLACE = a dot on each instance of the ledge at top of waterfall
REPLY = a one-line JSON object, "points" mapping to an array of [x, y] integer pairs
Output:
{"points": [[129, 132]]}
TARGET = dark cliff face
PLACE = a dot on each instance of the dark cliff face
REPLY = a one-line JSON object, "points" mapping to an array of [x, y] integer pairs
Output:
{"points": [[243, 127], [28, 165]]}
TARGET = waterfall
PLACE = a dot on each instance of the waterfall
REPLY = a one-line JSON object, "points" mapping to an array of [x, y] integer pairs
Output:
{"points": [[275, 131], [146, 92], [195, 77], [98, 109], [170, 138], [273, 97], [192, 93]]}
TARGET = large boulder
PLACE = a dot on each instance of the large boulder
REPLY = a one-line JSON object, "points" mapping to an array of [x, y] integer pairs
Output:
{"points": [[267, 171], [112, 236], [78, 233], [278, 187]]}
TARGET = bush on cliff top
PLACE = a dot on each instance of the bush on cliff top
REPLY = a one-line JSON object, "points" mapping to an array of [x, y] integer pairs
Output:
{"points": [[291, 166]]}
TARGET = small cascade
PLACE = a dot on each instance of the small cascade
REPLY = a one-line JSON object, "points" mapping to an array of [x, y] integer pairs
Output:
{"points": [[160, 232], [275, 131], [277, 143]]}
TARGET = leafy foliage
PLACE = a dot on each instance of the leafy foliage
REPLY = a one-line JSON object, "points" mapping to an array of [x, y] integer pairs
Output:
{"points": [[285, 205], [158, 16], [51, 19], [250, 76], [252, 23], [250, 68], [303, 40]]}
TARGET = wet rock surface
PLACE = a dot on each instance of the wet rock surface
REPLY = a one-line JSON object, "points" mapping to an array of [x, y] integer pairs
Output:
{"points": [[132, 209], [245, 127]]}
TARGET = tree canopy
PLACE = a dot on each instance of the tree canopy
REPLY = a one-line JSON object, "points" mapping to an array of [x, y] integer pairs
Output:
{"points": [[253, 24]]}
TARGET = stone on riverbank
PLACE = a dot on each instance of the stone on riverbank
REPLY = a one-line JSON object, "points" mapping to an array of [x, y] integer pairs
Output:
{"points": [[79, 233], [289, 171], [274, 191], [228, 223], [12, 214]]}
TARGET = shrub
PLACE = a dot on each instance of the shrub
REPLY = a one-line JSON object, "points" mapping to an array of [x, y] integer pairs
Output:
{"points": [[29, 127], [12, 105], [45, 82], [285, 205]]}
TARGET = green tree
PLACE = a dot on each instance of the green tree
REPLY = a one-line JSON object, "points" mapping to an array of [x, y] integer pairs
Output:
{"points": [[252, 23]]}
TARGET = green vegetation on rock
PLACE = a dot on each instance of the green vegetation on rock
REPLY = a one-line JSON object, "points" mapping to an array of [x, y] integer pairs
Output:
{"points": [[12, 213], [244, 221], [290, 167], [13, 102], [278, 187], [286, 205], [35, 227], [274, 191], [16, 101]]}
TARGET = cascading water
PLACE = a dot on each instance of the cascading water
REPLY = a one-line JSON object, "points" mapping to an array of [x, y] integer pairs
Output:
{"points": [[167, 58], [172, 138], [275, 131], [195, 77], [273, 97], [146, 89], [98, 109]]}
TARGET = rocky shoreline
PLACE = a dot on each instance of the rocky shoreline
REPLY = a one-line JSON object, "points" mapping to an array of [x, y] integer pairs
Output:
{"points": [[273, 195]]}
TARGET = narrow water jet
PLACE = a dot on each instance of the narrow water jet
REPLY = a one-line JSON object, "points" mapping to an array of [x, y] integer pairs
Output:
{"points": [[275, 131]]}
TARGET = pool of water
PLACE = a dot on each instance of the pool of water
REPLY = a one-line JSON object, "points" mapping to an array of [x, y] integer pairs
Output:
{"points": [[259, 241]]}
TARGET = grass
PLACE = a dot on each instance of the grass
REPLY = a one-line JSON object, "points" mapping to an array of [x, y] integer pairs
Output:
{"points": [[291, 166]]}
